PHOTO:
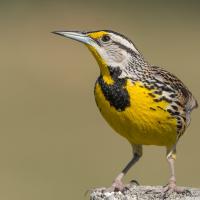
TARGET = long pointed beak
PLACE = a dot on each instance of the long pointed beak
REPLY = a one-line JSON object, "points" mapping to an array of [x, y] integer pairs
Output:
{"points": [[75, 35]]}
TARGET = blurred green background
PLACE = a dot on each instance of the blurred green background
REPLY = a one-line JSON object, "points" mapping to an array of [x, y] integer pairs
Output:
{"points": [[54, 144]]}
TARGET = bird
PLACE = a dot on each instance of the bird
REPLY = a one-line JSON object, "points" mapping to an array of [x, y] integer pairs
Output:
{"points": [[143, 103]]}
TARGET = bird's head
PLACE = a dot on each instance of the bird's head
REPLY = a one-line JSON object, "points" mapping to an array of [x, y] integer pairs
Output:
{"points": [[111, 49]]}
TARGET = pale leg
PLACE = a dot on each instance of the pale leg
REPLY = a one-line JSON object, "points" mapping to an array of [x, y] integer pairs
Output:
{"points": [[171, 186]]}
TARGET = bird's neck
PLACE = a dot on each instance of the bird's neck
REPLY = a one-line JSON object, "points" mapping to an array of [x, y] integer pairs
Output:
{"points": [[110, 74], [136, 68], [104, 68]]}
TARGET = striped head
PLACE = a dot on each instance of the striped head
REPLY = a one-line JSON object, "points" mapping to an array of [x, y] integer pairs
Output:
{"points": [[111, 49]]}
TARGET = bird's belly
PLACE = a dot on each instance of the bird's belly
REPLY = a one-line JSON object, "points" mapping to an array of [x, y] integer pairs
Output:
{"points": [[144, 121]]}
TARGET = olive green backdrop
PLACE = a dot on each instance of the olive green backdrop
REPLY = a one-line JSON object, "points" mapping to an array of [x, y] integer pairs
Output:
{"points": [[54, 144]]}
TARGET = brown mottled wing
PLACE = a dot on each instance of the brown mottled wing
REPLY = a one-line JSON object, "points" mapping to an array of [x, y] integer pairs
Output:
{"points": [[183, 95]]}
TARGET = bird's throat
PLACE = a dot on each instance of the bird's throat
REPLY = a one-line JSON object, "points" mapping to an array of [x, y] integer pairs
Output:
{"points": [[104, 69]]}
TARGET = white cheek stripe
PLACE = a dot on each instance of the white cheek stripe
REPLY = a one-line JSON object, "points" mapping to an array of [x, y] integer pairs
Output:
{"points": [[125, 42]]}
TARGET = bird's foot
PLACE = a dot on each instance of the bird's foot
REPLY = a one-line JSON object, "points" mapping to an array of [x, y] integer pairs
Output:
{"points": [[118, 185], [171, 187]]}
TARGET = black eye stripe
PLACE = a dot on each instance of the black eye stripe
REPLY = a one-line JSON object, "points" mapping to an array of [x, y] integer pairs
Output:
{"points": [[129, 50], [106, 38]]}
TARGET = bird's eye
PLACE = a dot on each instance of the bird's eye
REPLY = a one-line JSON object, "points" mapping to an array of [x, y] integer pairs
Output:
{"points": [[105, 38]]}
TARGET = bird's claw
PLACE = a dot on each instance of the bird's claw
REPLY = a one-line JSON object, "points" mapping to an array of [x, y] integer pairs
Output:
{"points": [[171, 187], [118, 186], [134, 182]]}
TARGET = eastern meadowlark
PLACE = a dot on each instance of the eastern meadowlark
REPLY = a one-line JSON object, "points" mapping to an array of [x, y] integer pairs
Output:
{"points": [[143, 103]]}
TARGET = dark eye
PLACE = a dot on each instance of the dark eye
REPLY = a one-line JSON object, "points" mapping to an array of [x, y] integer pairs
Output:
{"points": [[105, 38]]}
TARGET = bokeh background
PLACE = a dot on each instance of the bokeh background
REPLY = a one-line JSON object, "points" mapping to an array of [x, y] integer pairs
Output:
{"points": [[54, 144]]}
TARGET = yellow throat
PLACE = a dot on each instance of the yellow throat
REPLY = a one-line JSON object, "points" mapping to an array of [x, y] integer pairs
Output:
{"points": [[102, 64]]}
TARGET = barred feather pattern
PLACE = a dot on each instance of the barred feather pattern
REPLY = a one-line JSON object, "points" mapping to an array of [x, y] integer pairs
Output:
{"points": [[167, 86]]}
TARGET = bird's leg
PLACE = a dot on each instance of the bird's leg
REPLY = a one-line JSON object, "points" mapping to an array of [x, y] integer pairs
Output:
{"points": [[137, 153], [171, 186]]}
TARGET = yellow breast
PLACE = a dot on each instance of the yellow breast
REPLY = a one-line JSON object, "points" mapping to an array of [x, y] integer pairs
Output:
{"points": [[144, 121]]}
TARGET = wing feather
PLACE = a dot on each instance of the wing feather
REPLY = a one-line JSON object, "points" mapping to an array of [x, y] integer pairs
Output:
{"points": [[184, 96]]}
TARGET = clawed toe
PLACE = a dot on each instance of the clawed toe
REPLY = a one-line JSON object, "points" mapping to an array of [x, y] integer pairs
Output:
{"points": [[172, 187], [134, 182], [118, 186]]}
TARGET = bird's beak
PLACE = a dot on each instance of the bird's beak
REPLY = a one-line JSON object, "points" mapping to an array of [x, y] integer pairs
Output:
{"points": [[76, 35]]}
